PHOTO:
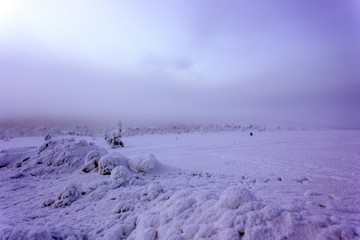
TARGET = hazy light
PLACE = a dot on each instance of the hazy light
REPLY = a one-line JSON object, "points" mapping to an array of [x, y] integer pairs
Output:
{"points": [[287, 61]]}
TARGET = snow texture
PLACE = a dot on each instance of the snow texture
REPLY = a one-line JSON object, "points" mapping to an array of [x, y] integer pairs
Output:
{"points": [[108, 162], [52, 156], [121, 172], [272, 185], [9, 158], [92, 160], [143, 164], [66, 198]]}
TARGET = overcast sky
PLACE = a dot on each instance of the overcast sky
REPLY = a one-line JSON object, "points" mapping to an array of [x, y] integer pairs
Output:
{"points": [[287, 61]]}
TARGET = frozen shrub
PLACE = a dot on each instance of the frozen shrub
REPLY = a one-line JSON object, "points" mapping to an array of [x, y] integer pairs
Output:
{"points": [[47, 137], [92, 159], [143, 164], [70, 195], [114, 140], [61, 156], [82, 142], [108, 162], [120, 172]]}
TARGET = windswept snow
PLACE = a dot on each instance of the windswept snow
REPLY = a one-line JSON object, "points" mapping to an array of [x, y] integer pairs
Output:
{"points": [[223, 185]]}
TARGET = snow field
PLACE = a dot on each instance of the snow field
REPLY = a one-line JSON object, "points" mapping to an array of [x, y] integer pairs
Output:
{"points": [[139, 197]]}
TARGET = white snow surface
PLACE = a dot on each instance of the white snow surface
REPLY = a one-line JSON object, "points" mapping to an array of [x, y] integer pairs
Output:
{"points": [[221, 185]]}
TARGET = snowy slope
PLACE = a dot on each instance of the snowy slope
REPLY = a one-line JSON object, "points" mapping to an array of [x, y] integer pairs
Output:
{"points": [[222, 185]]}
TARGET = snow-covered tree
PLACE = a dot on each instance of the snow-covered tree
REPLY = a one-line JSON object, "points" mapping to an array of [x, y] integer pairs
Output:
{"points": [[114, 140]]}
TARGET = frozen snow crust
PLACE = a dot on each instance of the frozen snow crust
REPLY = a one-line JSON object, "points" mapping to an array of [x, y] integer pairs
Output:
{"points": [[71, 189]]}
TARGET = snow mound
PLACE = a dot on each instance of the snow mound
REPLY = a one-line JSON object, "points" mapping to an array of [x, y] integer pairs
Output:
{"points": [[60, 157], [234, 197], [143, 164], [121, 172], [92, 159], [71, 193], [109, 161], [11, 156]]}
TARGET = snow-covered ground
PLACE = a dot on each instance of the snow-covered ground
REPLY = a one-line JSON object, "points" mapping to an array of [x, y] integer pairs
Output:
{"points": [[216, 185]]}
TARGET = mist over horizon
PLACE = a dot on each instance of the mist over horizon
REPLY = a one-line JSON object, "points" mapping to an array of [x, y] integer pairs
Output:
{"points": [[289, 62]]}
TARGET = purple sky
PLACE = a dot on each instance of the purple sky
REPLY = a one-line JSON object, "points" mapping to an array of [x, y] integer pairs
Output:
{"points": [[286, 61]]}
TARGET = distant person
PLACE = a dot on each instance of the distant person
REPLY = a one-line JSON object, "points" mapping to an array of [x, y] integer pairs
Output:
{"points": [[251, 134]]}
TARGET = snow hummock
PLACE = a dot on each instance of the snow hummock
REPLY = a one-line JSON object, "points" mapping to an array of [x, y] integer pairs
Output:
{"points": [[143, 164], [58, 156], [11, 157], [235, 197], [92, 159], [108, 162], [66, 198], [121, 172]]}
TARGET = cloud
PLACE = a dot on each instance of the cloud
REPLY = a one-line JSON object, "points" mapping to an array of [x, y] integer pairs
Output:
{"points": [[296, 61]]}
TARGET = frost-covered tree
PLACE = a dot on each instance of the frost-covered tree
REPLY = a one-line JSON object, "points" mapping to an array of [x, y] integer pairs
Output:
{"points": [[114, 140]]}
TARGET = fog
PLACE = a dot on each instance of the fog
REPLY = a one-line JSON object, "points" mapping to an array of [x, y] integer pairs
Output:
{"points": [[281, 61]]}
